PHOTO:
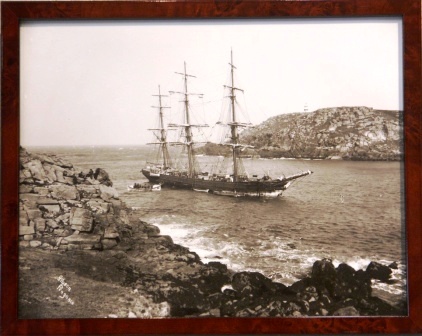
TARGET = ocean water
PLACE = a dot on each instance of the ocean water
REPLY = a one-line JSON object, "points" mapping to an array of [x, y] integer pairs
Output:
{"points": [[347, 211]]}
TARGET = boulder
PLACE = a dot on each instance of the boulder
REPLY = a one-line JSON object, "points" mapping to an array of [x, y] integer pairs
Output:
{"points": [[26, 174], [63, 171], [351, 284], [346, 311], [59, 174], [63, 191], [52, 223], [97, 206], [86, 191], [28, 237], [107, 193], [44, 158], [215, 277], [345, 271], [150, 230], [91, 181], [36, 169], [42, 191], [51, 208], [324, 269], [82, 238], [23, 243], [111, 233], [394, 265], [102, 176], [108, 243], [62, 163], [324, 274], [35, 243], [34, 214], [251, 282], [378, 271], [26, 230], [25, 188], [116, 206], [42, 200], [71, 180], [63, 232], [30, 200], [300, 286], [81, 220], [50, 173]]}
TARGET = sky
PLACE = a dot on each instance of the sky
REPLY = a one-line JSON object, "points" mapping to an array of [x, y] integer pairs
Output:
{"points": [[92, 83]]}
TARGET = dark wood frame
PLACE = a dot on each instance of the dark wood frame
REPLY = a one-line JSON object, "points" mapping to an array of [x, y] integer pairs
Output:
{"points": [[14, 12]]}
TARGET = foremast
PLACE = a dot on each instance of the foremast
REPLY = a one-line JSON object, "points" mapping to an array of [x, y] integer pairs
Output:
{"points": [[162, 137], [187, 126], [234, 124]]}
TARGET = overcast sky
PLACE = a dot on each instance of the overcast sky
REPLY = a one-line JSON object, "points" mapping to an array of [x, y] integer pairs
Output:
{"points": [[92, 83]]}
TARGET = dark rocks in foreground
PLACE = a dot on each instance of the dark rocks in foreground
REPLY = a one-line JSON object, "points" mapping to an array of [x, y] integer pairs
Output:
{"points": [[212, 290]]}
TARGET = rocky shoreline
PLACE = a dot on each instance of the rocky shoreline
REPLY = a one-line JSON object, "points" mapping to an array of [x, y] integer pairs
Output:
{"points": [[84, 254]]}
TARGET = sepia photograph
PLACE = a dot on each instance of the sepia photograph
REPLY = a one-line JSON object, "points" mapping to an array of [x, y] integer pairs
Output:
{"points": [[212, 168]]}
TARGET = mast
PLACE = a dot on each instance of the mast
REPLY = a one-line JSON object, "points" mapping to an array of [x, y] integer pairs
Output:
{"points": [[162, 139], [187, 126], [188, 131], [234, 124]]}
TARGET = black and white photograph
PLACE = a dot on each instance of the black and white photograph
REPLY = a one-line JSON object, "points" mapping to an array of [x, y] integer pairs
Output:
{"points": [[212, 168]]}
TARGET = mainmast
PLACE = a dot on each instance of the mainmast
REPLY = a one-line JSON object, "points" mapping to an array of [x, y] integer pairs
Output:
{"points": [[187, 126], [234, 124], [162, 138]]}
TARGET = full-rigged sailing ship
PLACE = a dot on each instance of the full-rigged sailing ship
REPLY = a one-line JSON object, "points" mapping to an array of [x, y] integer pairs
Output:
{"points": [[237, 182]]}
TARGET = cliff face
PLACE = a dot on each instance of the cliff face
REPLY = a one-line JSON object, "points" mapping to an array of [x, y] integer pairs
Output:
{"points": [[351, 133]]}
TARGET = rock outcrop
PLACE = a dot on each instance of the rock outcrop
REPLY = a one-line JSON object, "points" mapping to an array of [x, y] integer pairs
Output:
{"points": [[350, 133], [61, 208]]}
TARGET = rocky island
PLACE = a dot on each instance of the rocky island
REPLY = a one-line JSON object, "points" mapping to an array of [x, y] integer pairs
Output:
{"points": [[84, 254], [348, 133]]}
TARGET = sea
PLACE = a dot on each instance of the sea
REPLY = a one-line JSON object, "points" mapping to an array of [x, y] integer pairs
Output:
{"points": [[348, 211]]}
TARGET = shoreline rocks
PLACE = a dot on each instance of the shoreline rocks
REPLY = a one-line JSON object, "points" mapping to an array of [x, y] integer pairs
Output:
{"points": [[73, 224]]}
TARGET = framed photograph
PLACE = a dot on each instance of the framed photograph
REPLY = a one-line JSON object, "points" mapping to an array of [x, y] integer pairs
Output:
{"points": [[224, 167]]}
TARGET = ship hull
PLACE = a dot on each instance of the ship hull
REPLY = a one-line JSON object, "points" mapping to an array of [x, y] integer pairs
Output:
{"points": [[271, 189], [152, 177]]}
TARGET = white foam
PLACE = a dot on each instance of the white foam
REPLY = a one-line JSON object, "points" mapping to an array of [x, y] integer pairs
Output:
{"points": [[208, 249], [395, 289], [296, 262], [356, 263]]}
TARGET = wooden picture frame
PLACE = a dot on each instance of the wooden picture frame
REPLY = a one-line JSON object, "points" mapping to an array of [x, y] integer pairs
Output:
{"points": [[14, 12]]}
